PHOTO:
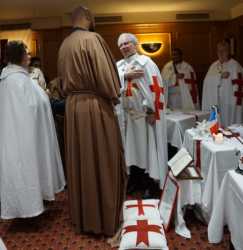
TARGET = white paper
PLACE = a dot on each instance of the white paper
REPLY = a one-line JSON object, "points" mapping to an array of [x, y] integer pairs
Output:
{"points": [[181, 160], [167, 201], [192, 172]]}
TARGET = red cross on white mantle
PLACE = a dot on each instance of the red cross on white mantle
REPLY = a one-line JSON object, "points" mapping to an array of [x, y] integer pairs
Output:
{"points": [[130, 85], [143, 228], [239, 93], [158, 91], [140, 206], [193, 84]]}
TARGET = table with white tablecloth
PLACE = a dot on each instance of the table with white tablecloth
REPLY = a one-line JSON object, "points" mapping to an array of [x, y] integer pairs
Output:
{"points": [[215, 161], [228, 211], [178, 122]]}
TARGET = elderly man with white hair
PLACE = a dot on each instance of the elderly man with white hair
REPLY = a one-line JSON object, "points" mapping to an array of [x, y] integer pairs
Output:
{"points": [[141, 112]]}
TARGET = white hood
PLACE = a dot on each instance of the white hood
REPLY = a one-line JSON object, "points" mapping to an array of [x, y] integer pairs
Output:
{"points": [[11, 69]]}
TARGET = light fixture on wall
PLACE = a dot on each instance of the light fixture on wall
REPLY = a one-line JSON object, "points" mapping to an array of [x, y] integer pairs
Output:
{"points": [[25, 35], [154, 44], [151, 47]]}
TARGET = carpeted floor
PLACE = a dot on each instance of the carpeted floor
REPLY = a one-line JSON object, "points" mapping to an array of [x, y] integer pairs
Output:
{"points": [[53, 231]]}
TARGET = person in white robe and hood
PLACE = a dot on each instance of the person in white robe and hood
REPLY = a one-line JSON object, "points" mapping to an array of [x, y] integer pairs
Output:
{"points": [[30, 164], [223, 87], [181, 84]]}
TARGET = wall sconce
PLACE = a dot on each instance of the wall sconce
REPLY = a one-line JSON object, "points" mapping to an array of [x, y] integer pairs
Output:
{"points": [[151, 48]]}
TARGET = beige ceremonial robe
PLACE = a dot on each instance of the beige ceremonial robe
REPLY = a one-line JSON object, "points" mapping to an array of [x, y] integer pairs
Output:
{"points": [[94, 154]]}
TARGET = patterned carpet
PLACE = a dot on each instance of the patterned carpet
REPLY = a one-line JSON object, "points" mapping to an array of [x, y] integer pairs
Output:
{"points": [[53, 231]]}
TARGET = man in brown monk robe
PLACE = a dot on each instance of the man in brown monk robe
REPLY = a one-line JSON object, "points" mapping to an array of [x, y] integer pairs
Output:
{"points": [[94, 155]]}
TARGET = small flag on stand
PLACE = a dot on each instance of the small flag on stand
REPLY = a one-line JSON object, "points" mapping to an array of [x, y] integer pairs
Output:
{"points": [[213, 120]]}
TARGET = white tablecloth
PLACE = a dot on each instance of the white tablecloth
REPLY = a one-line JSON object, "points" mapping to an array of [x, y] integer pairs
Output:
{"points": [[215, 161], [189, 194], [228, 211], [178, 122], [237, 128]]}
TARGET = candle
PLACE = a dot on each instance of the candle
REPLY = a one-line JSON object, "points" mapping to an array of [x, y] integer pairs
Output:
{"points": [[218, 138]]}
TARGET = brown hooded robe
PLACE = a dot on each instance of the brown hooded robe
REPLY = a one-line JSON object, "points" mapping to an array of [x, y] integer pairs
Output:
{"points": [[94, 155]]}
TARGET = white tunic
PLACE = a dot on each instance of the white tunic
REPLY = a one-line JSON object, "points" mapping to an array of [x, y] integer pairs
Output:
{"points": [[30, 164], [145, 145], [221, 92], [179, 93]]}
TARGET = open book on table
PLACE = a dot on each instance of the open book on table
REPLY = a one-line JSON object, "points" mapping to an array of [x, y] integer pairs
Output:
{"points": [[182, 167]]}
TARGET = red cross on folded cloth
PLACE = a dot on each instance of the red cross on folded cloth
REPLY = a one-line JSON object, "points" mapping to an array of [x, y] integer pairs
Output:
{"points": [[158, 91], [193, 84], [140, 206], [143, 228], [239, 93], [130, 85]]}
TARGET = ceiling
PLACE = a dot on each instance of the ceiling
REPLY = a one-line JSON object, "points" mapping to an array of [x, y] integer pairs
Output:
{"points": [[29, 9]]}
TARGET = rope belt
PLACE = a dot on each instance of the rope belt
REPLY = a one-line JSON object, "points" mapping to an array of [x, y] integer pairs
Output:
{"points": [[88, 92]]}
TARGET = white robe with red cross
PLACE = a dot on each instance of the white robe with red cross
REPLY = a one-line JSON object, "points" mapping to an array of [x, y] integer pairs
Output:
{"points": [[145, 145], [182, 93], [226, 93]]}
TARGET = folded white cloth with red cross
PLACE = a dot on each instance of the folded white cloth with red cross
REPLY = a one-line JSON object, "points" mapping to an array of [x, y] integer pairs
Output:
{"points": [[143, 234], [141, 209], [142, 227]]}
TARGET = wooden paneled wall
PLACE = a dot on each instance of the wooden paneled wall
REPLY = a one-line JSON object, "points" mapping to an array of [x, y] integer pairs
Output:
{"points": [[49, 43], [197, 40], [235, 29]]}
